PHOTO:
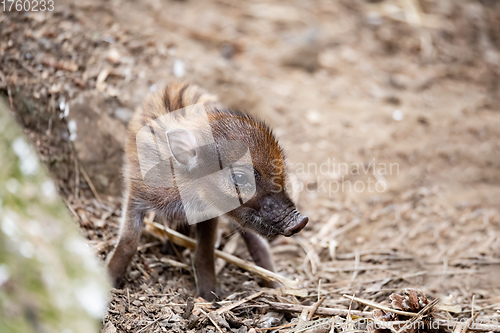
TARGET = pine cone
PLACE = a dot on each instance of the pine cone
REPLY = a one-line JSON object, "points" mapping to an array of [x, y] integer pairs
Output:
{"points": [[412, 301]]}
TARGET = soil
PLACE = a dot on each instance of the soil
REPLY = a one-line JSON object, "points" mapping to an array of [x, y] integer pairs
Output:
{"points": [[389, 116]]}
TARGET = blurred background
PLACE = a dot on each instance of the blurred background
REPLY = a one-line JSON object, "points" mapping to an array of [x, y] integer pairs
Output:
{"points": [[388, 111]]}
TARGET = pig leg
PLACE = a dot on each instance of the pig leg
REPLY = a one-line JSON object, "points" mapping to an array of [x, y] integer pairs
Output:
{"points": [[204, 258], [128, 240], [261, 254]]}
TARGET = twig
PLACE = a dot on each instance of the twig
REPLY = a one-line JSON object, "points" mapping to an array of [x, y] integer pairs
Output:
{"points": [[140, 269], [3, 81], [151, 323], [175, 263], [315, 307], [62, 65], [211, 319], [77, 178], [345, 228], [11, 100], [356, 266], [164, 233], [377, 252], [73, 212], [359, 269], [89, 182], [326, 229], [302, 319], [311, 256], [229, 307], [230, 247], [26, 67], [275, 328], [467, 261], [319, 310], [319, 289], [128, 299], [381, 307], [472, 306], [420, 315], [348, 318]]}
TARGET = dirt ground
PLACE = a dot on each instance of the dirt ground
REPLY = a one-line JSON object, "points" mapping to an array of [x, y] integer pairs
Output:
{"points": [[388, 112]]}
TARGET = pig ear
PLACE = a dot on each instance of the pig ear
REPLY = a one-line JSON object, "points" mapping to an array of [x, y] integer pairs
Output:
{"points": [[182, 144]]}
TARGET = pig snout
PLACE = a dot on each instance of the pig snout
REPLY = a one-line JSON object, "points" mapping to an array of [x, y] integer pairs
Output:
{"points": [[297, 224], [281, 215]]}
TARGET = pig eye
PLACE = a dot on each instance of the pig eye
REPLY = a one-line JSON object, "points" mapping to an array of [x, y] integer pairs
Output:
{"points": [[240, 179]]}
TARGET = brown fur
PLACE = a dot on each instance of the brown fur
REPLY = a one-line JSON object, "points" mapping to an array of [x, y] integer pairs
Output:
{"points": [[269, 212]]}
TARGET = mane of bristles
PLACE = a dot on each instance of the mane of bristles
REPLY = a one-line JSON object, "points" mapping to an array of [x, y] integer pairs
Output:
{"points": [[258, 124], [180, 95], [238, 125]]}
